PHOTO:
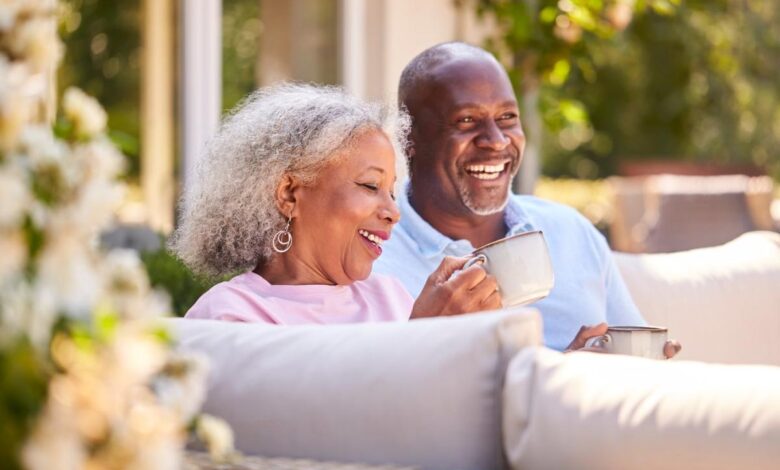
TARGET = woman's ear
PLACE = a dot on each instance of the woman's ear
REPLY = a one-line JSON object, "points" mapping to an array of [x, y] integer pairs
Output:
{"points": [[287, 193]]}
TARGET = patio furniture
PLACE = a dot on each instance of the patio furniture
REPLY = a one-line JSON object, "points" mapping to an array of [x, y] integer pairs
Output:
{"points": [[202, 461], [479, 392], [667, 213]]}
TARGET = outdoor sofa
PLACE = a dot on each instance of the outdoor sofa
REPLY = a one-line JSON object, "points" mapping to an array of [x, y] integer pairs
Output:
{"points": [[481, 392]]}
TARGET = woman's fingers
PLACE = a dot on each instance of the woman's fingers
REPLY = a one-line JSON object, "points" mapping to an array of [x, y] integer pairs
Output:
{"points": [[448, 266]]}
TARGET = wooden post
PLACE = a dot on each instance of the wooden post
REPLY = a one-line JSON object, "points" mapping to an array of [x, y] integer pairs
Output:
{"points": [[157, 113]]}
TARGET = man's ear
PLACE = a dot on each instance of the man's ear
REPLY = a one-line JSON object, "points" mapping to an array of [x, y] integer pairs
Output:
{"points": [[287, 193]]}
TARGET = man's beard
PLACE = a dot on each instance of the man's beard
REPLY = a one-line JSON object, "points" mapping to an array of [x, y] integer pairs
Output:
{"points": [[490, 208], [493, 206]]}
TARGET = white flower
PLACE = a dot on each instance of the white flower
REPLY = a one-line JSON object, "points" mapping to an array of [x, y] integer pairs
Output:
{"points": [[40, 146], [54, 443], [87, 115], [67, 272], [14, 193], [36, 42], [26, 313], [136, 357], [13, 249], [93, 207], [217, 435], [183, 388], [100, 158], [17, 106]]}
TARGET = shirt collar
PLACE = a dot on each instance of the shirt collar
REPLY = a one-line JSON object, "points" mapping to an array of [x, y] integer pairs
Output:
{"points": [[432, 243]]}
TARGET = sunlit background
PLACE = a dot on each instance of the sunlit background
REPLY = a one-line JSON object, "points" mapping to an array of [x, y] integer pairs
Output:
{"points": [[607, 88]]}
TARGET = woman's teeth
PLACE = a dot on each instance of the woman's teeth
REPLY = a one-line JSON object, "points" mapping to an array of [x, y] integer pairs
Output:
{"points": [[371, 237], [485, 172]]}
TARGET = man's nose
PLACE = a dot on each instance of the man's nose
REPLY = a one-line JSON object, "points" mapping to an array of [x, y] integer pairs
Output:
{"points": [[492, 137]]}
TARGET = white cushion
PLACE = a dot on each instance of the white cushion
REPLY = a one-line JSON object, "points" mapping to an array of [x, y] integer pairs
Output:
{"points": [[599, 411], [722, 303], [424, 393]]}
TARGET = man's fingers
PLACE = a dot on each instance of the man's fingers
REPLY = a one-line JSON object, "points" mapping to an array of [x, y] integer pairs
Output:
{"points": [[671, 348], [585, 333]]}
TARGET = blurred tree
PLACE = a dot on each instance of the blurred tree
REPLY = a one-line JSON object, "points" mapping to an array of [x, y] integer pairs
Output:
{"points": [[102, 43], [699, 84], [241, 29]]}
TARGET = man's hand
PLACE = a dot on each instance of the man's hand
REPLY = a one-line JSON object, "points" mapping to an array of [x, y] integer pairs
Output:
{"points": [[471, 290], [587, 332], [671, 347]]}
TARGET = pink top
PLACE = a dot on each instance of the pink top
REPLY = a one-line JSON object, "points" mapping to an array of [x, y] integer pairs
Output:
{"points": [[249, 297]]}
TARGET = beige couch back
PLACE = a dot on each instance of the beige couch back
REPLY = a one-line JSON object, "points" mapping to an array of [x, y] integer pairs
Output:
{"points": [[722, 303]]}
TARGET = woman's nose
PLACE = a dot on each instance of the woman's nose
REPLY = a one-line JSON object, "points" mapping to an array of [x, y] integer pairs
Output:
{"points": [[390, 212]]}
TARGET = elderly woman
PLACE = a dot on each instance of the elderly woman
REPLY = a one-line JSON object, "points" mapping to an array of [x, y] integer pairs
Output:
{"points": [[296, 193]]}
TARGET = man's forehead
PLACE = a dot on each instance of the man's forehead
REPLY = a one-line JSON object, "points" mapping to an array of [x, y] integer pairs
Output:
{"points": [[472, 82]]}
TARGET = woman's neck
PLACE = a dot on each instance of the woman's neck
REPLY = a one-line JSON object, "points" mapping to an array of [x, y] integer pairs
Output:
{"points": [[288, 269]]}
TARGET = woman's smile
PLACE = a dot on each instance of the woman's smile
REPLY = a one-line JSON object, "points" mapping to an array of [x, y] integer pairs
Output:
{"points": [[374, 240]]}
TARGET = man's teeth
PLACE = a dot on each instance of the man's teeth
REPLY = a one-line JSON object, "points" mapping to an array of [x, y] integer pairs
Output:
{"points": [[371, 237], [485, 172]]}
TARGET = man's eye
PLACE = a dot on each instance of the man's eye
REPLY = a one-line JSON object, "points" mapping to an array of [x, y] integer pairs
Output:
{"points": [[508, 116], [466, 120]]}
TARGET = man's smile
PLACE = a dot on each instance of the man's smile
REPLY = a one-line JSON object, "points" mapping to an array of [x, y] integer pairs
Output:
{"points": [[486, 171]]}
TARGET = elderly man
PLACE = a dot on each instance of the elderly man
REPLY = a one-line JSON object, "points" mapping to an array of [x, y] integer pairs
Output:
{"points": [[466, 144]]}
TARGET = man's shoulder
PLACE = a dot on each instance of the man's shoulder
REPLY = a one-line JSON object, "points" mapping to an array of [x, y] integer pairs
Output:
{"points": [[548, 212]]}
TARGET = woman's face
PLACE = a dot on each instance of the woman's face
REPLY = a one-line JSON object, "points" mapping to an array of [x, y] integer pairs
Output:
{"points": [[345, 215]]}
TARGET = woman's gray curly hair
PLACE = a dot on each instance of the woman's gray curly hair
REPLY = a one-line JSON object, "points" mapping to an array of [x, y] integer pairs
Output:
{"points": [[229, 214]]}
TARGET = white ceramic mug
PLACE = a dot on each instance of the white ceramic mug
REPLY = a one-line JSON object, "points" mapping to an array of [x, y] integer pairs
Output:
{"points": [[643, 341], [521, 265]]}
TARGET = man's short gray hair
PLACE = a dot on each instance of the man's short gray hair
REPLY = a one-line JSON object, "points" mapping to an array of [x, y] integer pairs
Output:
{"points": [[229, 213], [419, 68]]}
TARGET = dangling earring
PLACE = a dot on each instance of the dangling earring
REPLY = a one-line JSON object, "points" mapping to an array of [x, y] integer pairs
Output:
{"points": [[282, 241]]}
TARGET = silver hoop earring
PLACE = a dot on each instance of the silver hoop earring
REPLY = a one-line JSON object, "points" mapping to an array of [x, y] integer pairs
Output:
{"points": [[282, 241]]}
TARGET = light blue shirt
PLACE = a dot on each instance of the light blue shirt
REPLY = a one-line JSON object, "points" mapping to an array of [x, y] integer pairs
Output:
{"points": [[588, 287]]}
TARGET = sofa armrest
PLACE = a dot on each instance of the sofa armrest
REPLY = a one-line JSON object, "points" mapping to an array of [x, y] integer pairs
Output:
{"points": [[425, 393], [601, 411], [722, 303]]}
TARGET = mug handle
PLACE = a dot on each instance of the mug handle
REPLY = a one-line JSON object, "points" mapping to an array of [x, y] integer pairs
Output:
{"points": [[477, 259], [598, 341]]}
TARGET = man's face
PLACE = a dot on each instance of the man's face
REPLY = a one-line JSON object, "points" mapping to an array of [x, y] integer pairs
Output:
{"points": [[467, 140]]}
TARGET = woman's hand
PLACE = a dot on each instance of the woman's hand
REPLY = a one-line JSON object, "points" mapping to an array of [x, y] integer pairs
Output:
{"points": [[471, 290]]}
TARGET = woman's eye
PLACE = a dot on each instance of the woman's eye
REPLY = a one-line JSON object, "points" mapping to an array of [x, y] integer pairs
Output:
{"points": [[370, 186], [392, 196]]}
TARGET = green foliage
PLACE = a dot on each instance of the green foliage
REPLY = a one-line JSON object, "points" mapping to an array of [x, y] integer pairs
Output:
{"points": [[23, 388], [241, 28], [103, 57], [691, 80], [168, 273]]}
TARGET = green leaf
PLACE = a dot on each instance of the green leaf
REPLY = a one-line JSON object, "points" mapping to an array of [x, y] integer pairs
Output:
{"points": [[560, 72]]}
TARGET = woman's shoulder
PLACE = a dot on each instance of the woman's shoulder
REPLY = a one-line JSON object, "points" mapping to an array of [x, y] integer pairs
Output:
{"points": [[235, 299]]}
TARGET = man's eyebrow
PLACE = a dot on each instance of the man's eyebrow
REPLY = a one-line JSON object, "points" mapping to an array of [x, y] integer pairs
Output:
{"points": [[474, 105]]}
